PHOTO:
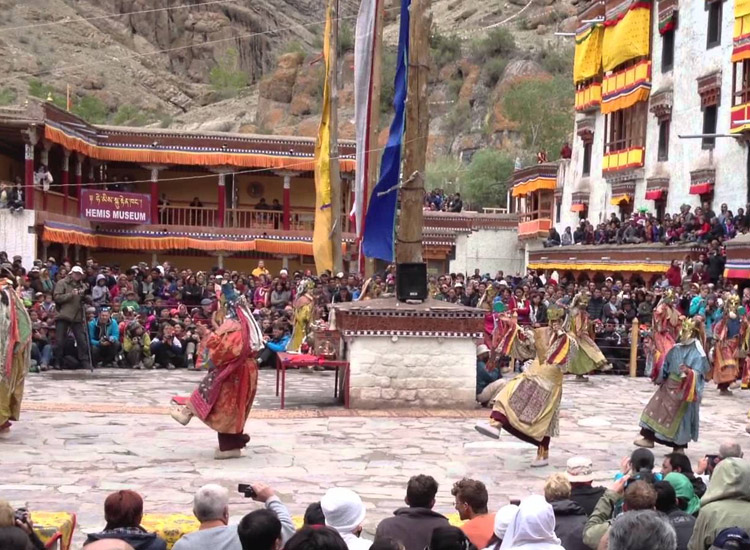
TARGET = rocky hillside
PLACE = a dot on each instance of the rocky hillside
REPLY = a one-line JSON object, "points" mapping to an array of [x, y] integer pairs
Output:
{"points": [[254, 65]]}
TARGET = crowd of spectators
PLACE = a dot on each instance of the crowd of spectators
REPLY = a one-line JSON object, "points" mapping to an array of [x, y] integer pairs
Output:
{"points": [[438, 201], [701, 225], [153, 317], [11, 195], [674, 507]]}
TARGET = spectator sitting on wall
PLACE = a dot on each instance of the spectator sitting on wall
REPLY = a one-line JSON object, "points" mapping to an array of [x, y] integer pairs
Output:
{"points": [[276, 205], [457, 204], [196, 203], [262, 204]]}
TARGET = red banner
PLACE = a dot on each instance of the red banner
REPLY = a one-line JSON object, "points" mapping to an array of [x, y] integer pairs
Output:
{"points": [[115, 206]]}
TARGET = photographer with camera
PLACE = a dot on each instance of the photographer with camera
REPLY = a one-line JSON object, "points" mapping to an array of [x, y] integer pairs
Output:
{"points": [[137, 347], [104, 335], [17, 529], [211, 508], [707, 464], [69, 296]]}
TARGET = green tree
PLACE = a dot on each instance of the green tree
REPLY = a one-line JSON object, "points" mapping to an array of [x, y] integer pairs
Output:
{"points": [[226, 78], [7, 96], [91, 109], [487, 178], [543, 109], [443, 172]]}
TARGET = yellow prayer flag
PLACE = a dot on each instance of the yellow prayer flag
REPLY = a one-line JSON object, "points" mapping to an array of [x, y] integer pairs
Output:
{"points": [[322, 244]]}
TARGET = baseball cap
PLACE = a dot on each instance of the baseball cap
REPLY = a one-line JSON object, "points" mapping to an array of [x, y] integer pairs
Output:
{"points": [[206, 302], [77, 269], [579, 469], [732, 538]]}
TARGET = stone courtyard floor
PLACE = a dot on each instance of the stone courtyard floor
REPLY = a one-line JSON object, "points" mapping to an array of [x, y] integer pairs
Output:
{"points": [[83, 435]]}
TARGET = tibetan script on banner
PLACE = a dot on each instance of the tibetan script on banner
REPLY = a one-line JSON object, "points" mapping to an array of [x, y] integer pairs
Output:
{"points": [[115, 206]]}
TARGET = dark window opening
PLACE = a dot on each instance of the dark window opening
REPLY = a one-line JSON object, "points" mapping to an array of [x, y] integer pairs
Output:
{"points": [[558, 210], [587, 146], [660, 206], [667, 51], [663, 141], [714, 24], [709, 126]]}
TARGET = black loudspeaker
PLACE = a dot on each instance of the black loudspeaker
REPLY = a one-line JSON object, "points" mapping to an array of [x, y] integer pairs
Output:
{"points": [[411, 282]]}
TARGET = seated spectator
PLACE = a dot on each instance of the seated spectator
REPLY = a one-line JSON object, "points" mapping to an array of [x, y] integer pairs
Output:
{"points": [[682, 522], [533, 526], [137, 347], [123, 512], [553, 238], [109, 544], [314, 515], [503, 518], [41, 347], [471, 502], [412, 526], [275, 344], [24, 538], [686, 498], [639, 495], [725, 504], [104, 337], [642, 530], [281, 296], [100, 295], [450, 538], [732, 538], [317, 538], [678, 462], [167, 350], [344, 513], [485, 375], [567, 237], [728, 449], [260, 530], [569, 516], [580, 472]]}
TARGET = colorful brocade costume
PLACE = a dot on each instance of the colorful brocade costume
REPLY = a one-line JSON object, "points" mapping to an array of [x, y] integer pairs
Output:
{"points": [[726, 351], [528, 405], [15, 352], [225, 396], [589, 357], [672, 416], [511, 340], [666, 326], [303, 314]]}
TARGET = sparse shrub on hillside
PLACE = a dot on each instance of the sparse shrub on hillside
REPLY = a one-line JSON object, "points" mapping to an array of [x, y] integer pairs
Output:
{"points": [[165, 120], [225, 77], [498, 42], [130, 115], [487, 178], [444, 49], [294, 46], [7, 96], [317, 42], [457, 121], [42, 91], [346, 38], [493, 70], [543, 109], [557, 60], [387, 76], [91, 109], [441, 172], [454, 87]]}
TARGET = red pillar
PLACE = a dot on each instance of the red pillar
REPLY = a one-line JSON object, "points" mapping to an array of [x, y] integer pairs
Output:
{"points": [[28, 183], [154, 195], [65, 180], [222, 201], [287, 214], [79, 181]]}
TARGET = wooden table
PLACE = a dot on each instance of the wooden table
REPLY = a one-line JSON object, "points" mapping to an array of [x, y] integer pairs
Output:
{"points": [[296, 361]]}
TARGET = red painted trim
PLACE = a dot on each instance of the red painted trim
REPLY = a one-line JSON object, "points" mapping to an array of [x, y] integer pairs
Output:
{"points": [[28, 184], [154, 201], [222, 202]]}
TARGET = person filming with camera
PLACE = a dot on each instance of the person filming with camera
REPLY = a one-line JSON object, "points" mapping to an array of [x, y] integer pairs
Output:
{"points": [[16, 525], [211, 509]]}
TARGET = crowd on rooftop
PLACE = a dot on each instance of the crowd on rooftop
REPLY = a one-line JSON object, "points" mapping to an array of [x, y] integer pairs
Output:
{"points": [[701, 225]]}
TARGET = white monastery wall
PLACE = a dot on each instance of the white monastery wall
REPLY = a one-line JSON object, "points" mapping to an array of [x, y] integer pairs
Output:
{"points": [[489, 250], [15, 237], [403, 372]]}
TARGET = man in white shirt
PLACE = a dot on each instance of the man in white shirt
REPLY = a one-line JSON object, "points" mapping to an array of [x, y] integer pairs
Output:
{"points": [[211, 508]]}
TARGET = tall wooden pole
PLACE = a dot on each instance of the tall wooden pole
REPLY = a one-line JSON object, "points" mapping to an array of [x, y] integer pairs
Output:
{"points": [[409, 237], [336, 202], [374, 153]]}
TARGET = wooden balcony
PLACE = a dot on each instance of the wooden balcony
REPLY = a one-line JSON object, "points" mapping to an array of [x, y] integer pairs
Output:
{"points": [[534, 228]]}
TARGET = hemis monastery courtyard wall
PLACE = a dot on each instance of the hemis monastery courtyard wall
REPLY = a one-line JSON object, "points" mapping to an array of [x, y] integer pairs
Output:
{"points": [[698, 91]]}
